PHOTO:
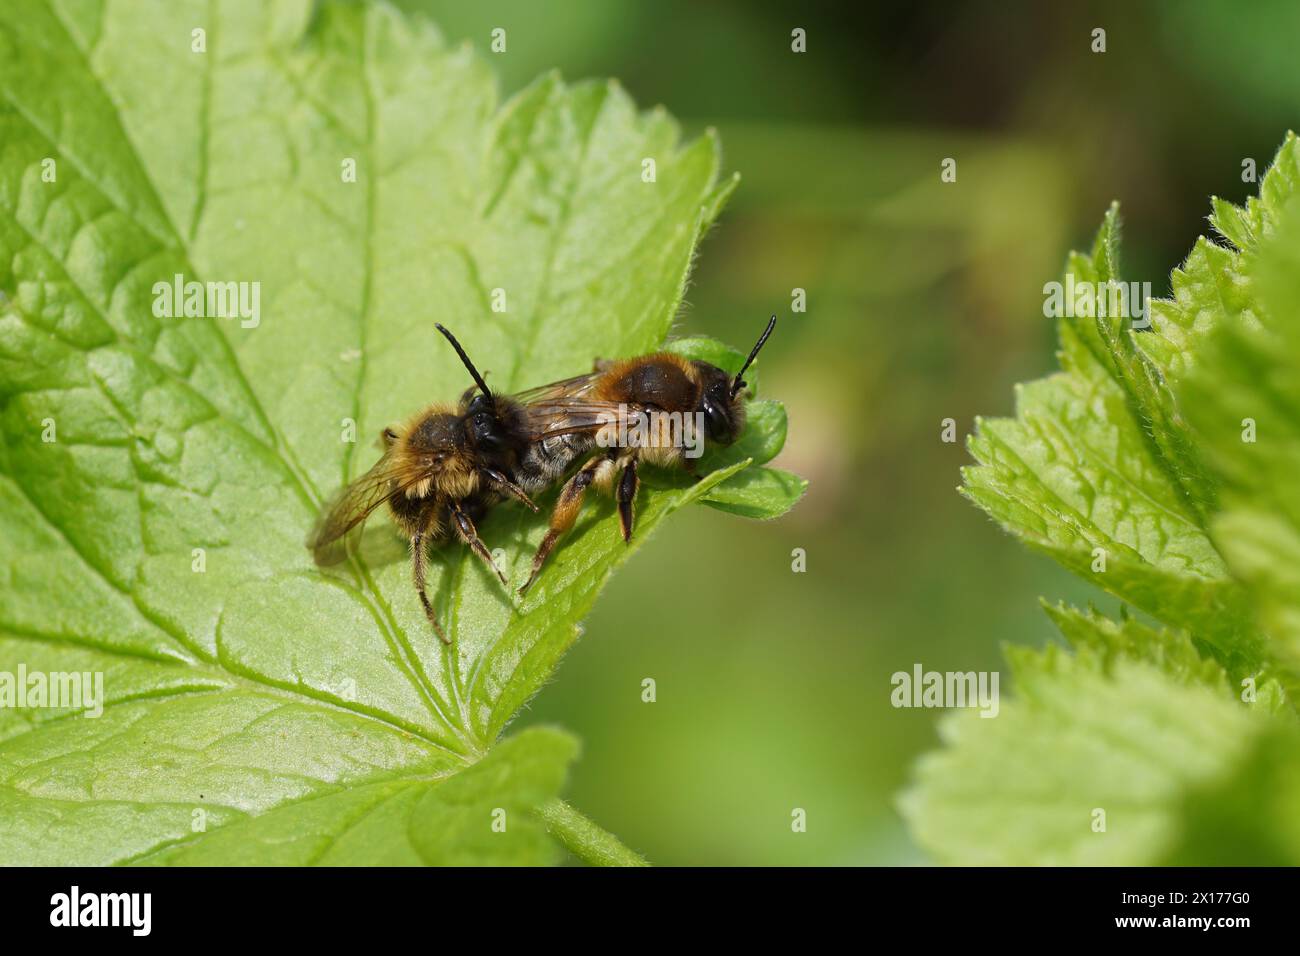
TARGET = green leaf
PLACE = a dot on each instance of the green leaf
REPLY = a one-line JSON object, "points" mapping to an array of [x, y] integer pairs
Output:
{"points": [[1174, 653], [760, 492], [517, 660], [1116, 343], [1080, 737], [1072, 473], [1244, 398], [1078, 469], [1135, 724], [158, 539], [1182, 735], [1250, 818], [478, 817]]}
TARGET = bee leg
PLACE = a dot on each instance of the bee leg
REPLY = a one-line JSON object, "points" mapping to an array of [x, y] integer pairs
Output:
{"points": [[418, 570], [388, 438], [627, 488], [566, 511], [508, 486], [469, 534]]}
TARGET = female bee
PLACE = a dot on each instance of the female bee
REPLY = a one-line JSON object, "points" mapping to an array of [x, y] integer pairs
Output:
{"points": [[440, 472], [647, 408]]}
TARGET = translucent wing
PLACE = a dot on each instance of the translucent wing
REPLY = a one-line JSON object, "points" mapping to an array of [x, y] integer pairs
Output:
{"points": [[355, 503], [576, 387], [567, 406], [564, 416]]}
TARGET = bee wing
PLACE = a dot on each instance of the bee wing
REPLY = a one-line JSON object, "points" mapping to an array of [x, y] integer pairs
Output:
{"points": [[563, 407], [355, 502], [563, 416], [576, 387]]}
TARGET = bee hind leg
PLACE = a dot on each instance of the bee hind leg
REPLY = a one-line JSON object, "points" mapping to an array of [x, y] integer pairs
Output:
{"points": [[419, 572], [628, 484], [566, 511]]}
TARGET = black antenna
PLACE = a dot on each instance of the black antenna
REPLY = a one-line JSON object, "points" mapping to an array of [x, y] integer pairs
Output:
{"points": [[478, 379], [738, 383]]}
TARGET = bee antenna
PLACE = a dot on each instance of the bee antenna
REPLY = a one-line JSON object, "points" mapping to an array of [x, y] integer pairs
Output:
{"points": [[739, 382], [478, 379]]}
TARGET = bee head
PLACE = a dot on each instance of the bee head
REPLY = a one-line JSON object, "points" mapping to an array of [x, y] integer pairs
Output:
{"points": [[483, 427], [724, 411], [724, 415], [437, 442]]}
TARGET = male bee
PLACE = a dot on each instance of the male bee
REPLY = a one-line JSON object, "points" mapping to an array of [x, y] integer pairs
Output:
{"points": [[658, 399], [439, 473]]}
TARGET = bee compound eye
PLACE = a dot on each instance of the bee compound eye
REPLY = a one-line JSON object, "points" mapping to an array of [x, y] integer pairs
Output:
{"points": [[717, 421]]}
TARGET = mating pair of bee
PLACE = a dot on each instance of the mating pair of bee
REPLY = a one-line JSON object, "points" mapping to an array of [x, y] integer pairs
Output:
{"points": [[443, 469]]}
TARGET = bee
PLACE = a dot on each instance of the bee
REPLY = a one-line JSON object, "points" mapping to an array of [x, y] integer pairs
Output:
{"points": [[439, 473], [648, 396]]}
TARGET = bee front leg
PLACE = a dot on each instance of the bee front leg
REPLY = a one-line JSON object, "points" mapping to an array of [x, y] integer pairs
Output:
{"points": [[498, 479], [566, 511], [419, 572], [628, 484], [469, 534]]}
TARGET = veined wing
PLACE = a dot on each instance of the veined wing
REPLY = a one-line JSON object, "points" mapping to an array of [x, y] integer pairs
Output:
{"points": [[355, 503], [577, 387], [568, 406], [564, 416]]}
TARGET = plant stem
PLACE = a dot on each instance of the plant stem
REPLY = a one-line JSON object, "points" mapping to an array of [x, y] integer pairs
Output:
{"points": [[584, 839]]}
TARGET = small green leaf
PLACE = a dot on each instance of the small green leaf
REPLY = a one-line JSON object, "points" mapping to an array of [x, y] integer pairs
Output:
{"points": [[761, 493]]}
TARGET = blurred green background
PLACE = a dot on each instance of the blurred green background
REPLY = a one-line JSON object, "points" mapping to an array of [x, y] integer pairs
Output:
{"points": [[924, 302]]}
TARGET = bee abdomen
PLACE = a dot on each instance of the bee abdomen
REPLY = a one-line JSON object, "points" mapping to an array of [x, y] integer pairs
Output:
{"points": [[546, 461], [663, 381]]}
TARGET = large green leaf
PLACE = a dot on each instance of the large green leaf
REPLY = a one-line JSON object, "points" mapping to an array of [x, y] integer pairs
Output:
{"points": [[1174, 451], [1101, 456], [1244, 398], [1092, 763], [158, 538]]}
